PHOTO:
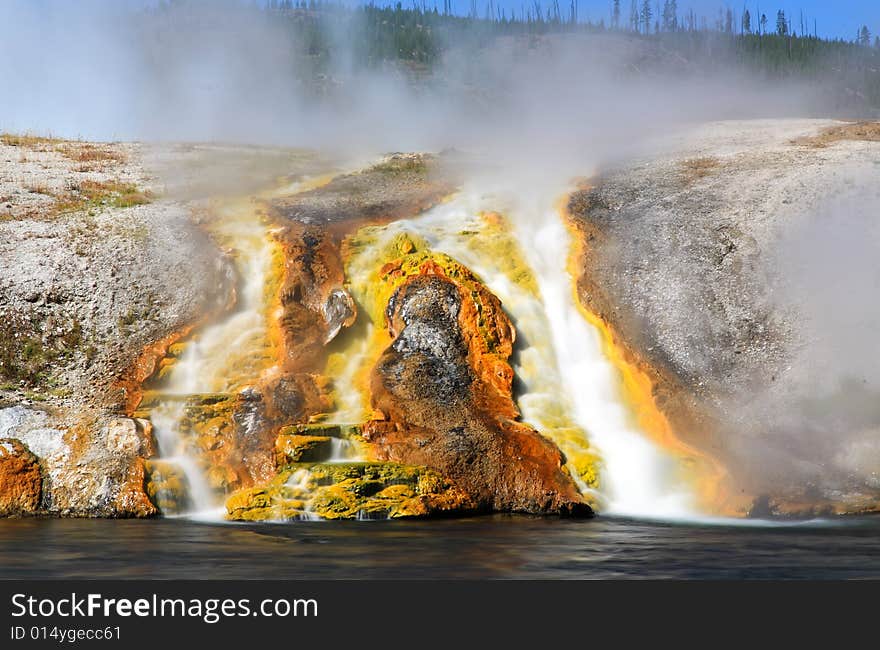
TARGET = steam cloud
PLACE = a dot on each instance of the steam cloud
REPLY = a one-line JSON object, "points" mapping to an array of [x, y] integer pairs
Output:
{"points": [[826, 425], [223, 71]]}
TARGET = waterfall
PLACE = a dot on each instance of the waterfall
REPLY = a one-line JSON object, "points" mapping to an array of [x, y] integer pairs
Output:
{"points": [[166, 418], [639, 478], [344, 451], [223, 358], [570, 391]]}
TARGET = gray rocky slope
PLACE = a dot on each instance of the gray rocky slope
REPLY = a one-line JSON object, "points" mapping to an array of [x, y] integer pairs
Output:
{"points": [[741, 264]]}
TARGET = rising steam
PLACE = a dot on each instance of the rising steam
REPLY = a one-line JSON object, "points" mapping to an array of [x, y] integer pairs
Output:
{"points": [[225, 71], [822, 427]]}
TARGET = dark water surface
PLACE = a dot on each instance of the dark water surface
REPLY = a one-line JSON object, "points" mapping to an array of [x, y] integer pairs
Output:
{"points": [[480, 547]]}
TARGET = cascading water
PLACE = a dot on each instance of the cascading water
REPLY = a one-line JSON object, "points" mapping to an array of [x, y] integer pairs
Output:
{"points": [[344, 451], [639, 478], [223, 357], [570, 391], [173, 448], [350, 401], [480, 242], [228, 357]]}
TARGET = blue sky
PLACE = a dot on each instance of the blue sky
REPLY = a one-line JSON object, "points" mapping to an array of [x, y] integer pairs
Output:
{"points": [[836, 19], [839, 19]]}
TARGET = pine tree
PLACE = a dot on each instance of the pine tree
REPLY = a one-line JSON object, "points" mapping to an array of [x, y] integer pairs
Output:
{"points": [[646, 15], [670, 18], [615, 14], [865, 36], [728, 22], [747, 22], [763, 24], [781, 23], [634, 16]]}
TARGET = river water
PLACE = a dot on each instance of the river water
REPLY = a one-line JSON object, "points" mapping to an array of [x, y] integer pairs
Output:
{"points": [[498, 546]]}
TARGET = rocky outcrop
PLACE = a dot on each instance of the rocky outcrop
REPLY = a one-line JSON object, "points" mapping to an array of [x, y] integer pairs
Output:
{"points": [[314, 442], [83, 293], [400, 186], [21, 480], [444, 387], [314, 302], [315, 306], [296, 448], [103, 472], [91, 468]]}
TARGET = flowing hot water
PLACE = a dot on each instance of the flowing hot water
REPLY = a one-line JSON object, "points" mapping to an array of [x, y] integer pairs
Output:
{"points": [[570, 391], [639, 478], [224, 358]]}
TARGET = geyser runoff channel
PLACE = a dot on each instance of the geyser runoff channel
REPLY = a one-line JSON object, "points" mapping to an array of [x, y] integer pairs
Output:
{"points": [[571, 392], [562, 363], [639, 478], [222, 358]]}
